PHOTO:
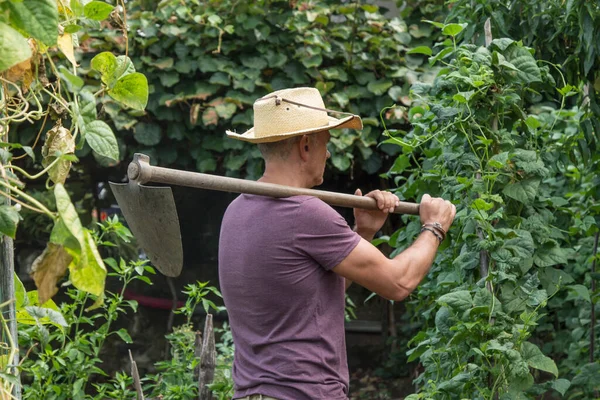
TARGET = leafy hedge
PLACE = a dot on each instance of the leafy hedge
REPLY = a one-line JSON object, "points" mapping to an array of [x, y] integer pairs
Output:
{"points": [[206, 64]]}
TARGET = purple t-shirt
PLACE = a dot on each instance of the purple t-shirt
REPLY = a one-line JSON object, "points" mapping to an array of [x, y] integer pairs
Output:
{"points": [[285, 305]]}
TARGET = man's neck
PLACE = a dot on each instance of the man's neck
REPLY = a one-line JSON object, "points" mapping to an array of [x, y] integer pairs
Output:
{"points": [[281, 175]]}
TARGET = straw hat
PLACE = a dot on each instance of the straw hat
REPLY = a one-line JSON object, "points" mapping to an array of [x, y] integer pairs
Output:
{"points": [[292, 112]]}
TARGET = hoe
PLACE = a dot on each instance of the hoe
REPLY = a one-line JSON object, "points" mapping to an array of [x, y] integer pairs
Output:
{"points": [[152, 216]]}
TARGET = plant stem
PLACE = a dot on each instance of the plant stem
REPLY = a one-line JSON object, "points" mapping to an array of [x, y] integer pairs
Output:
{"points": [[28, 197], [39, 174], [592, 332]]}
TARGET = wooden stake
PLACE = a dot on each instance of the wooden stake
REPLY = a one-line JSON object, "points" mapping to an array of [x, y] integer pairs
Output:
{"points": [[208, 359], [136, 378]]}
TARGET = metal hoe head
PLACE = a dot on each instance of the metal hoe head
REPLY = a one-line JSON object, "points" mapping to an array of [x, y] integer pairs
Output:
{"points": [[152, 217]]}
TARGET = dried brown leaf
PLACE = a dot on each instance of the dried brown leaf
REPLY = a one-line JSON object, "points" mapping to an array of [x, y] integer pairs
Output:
{"points": [[48, 269], [58, 140]]}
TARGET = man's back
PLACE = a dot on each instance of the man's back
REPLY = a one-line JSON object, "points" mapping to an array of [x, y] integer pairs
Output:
{"points": [[286, 307]]}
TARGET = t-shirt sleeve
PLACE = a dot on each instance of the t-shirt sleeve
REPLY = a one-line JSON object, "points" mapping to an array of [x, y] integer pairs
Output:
{"points": [[323, 234]]}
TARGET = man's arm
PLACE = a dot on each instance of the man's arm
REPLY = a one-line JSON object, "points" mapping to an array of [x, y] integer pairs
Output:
{"points": [[395, 279]]}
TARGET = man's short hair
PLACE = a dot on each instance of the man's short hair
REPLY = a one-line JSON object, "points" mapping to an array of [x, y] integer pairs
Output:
{"points": [[280, 149]]}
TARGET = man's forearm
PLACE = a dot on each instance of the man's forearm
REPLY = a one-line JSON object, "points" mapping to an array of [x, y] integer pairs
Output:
{"points": [[414, 262]]}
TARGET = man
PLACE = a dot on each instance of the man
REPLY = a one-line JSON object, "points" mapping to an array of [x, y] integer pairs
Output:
{"points": [[284, 264]]}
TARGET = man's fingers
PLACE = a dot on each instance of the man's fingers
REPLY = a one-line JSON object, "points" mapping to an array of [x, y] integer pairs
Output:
{"points": [[358, 192]]}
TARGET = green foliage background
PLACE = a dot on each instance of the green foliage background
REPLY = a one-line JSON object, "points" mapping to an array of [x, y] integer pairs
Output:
{"points": [[207, 62], [507, 130]]}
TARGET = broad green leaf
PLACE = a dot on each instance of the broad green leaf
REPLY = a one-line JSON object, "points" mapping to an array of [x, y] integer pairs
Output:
{"points": [[453, 29], [61, 235], [9, 218], [39, 18], [77, 7], [102, 139], [561, 386], [131, 90], [32, 314], [420, 50], [48, 269], [545, 257], [43, 315], [536, 359], [74, 82], [580, 292], [524, 191], [89, 276], [148, 134], [460, 300], [502, 43], [68, 214], [13, 47], [106, 64], [379, 87], [97, 10], [521, 58], [124, 67], [226, 110], [442, 320]]}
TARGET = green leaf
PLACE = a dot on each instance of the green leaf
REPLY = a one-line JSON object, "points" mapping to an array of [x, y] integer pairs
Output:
{"points": [[521, 58], [502, 43], [148, 134], [9, 218], [579, 292], [561, 386], [453, 29], [131, 90], [89, 276], [379, 87], [106, 64], [536, 359], [460, 300], [97, 10], [68, 214], [420, 50], [102, 139], [20, 293], [545, 257], [74, 82], [226, 110], [124, 335], [39, 18], [524, 191], [13, 47]]}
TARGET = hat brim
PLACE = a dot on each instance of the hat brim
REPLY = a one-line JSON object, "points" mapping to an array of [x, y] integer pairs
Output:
{"points": [[351, 122]]}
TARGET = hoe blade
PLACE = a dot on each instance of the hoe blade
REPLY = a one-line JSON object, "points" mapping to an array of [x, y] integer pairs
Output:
{"points": [[151, 214]]}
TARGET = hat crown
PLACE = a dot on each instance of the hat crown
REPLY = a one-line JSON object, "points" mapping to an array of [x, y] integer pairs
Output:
{"points": [[273, 116]]}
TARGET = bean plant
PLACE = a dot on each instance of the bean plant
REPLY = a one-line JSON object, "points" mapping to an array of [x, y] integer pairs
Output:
{"points": [[490, 135]]}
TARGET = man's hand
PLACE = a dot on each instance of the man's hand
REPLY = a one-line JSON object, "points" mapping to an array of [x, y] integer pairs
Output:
{"points": [[368, 222], [435, 209]]}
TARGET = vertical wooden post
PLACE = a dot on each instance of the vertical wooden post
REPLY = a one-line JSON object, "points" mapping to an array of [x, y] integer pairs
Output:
{"points": [[7, 280], [208, 359]]}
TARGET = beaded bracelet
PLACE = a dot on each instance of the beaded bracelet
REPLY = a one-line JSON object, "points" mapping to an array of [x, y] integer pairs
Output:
{"points": [[437, 235]]}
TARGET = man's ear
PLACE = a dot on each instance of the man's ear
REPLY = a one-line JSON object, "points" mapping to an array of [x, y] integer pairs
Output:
{"points": [[304, 147]]}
